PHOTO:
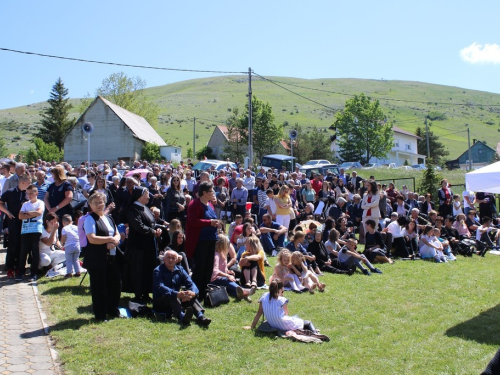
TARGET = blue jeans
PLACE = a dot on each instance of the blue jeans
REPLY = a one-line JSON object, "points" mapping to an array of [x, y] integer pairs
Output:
{"points": [[352, 260], [230, 285], [269, 243]]}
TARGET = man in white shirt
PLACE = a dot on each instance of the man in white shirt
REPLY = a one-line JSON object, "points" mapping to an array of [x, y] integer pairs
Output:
{"points": [[249, 183], [483, 234], [469, 201]]}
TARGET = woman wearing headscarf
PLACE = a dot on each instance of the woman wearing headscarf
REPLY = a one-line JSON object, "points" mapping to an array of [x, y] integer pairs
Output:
{"points": [[141, 246]]}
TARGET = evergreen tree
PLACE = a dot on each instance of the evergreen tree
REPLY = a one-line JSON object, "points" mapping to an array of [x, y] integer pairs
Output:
{"points": [[430, 181], [437, 150], [55, 122]]}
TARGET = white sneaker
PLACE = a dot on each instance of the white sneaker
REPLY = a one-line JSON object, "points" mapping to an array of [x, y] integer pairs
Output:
{"points": [[274, 253]]}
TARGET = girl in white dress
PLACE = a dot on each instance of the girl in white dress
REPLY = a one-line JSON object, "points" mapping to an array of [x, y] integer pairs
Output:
{"points": [[275, 308]]}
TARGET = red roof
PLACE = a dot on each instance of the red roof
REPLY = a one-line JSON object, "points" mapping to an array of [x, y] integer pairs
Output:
{"points": [[285, 145]]}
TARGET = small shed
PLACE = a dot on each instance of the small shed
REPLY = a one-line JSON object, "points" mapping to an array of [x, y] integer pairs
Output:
{"points": [[171, 153], [118, 134], [480, 153]]}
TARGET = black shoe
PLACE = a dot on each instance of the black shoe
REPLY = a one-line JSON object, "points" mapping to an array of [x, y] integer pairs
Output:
{"points": [[376, 270], [188, 315], [350, 271], [366, 272], [204, 321], [19, 277], [34, 277]]}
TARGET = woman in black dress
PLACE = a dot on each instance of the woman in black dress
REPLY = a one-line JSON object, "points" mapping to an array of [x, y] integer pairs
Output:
{"points": [[141, 247], [176, 201]]}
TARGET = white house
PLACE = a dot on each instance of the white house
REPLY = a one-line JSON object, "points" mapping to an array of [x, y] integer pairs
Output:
{"points": [[118, 134], [404, 148]]}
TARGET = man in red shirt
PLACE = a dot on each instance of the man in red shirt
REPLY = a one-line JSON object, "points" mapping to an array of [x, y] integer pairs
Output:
{"points": [[317, 183]]}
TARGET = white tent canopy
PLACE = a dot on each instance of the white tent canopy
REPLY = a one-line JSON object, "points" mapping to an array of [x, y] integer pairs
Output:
{"points": [[486, 179]]}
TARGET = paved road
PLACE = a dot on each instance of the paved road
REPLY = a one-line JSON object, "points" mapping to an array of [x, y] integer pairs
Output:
{"points": [[24, 346]]}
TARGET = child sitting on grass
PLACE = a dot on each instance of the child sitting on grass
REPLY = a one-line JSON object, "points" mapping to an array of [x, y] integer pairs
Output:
{"points": [[275, 308], [252, 263], [308, 278], [283, 272], [71, 243]]}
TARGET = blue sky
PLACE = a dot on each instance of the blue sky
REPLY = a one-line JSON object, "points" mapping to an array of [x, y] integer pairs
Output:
{"points": [[417, 41]]}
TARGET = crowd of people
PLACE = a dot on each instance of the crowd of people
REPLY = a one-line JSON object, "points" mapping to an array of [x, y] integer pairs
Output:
{"points": [[163, 231]]}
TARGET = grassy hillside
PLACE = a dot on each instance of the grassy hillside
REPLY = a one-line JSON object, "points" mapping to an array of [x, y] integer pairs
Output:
{"points": [[210, 100]]}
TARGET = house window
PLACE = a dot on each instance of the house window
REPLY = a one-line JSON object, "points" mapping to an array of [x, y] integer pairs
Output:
{"points": [[408, 147], [480, 151], [175, 150], [396, 143]]}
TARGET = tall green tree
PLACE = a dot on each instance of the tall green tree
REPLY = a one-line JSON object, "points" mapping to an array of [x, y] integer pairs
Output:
{"points": [[128, 93], [235, 148], [55, 121], [320, 141], [437, 150], [266, 133], [362, 129]]}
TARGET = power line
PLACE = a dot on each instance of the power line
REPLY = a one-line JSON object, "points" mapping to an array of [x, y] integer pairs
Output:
{"points": [[382, 98], [119, 64], [293, 92]]}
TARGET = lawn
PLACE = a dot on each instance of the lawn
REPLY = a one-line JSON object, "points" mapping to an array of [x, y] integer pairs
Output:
{"points": [[416, 318]]}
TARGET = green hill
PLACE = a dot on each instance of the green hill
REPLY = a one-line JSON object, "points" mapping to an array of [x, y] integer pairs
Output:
{"points": [[211, 99]]}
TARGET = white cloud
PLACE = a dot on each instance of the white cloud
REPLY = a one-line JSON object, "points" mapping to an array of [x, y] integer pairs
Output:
{"points": [[32, 92], [478, 54]]}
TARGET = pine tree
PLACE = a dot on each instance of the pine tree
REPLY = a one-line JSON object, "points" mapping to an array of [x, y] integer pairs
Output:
{"points": [[55, 122]]}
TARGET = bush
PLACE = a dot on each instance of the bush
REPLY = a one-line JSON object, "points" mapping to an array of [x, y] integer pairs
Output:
{"points": [[150, 151]]}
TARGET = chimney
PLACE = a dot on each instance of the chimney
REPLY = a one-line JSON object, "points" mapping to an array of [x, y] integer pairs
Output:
{"points": [[474, 141]]}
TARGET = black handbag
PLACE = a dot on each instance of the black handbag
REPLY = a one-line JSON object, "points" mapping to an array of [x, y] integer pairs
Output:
{"points": [[216, 296]]}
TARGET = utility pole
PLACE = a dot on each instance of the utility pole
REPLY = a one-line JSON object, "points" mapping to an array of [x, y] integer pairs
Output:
{"points": [[194, 137], [427, 134], [250, 137], [470, 157]]}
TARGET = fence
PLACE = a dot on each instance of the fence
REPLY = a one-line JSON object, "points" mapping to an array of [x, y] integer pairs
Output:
{"points": [[399, 182]]}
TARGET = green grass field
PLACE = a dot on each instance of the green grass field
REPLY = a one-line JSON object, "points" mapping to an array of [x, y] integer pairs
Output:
{"points": [[211, 99], [416, 318]]}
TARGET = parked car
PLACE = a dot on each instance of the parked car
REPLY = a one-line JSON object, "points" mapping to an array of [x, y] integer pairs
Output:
{"points": [[372, 165], [351, 165], [205, 165], [390, 165], [323, 169], [277, 161], [419, 167], [317, 162], [406, 168]]}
